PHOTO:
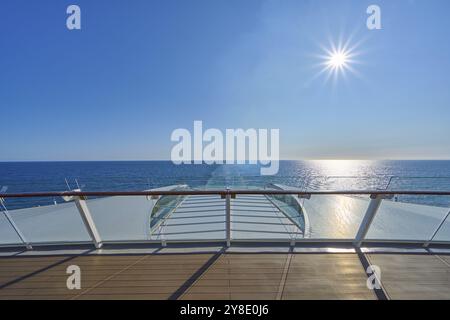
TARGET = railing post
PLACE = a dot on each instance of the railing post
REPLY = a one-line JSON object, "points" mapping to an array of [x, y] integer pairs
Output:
{"points": [[80, 202], [427, 243], [88, 221], [228, 218], [14, 226], [374, 205]]}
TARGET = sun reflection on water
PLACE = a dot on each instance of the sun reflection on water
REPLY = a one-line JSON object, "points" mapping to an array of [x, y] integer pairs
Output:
{"points": [[340, 167]]}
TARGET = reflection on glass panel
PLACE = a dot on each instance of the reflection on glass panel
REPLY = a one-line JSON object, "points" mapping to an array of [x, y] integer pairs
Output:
{"points": [[334, 216], [396, 220]]}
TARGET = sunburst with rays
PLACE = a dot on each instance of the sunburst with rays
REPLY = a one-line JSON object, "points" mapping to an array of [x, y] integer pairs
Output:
{"points": [[338, 60]]}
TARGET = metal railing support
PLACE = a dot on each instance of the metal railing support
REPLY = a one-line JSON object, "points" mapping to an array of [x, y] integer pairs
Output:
{"points": [[88, 221], [14, 226], [80, 202], [374, 205], [426, 244], [228, 218]]}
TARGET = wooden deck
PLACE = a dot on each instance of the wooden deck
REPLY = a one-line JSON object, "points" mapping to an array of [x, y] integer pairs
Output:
{"points": [[225, 276]]}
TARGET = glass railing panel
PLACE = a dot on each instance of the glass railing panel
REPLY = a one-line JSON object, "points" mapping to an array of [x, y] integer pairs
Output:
{"points": [[261, 217], [178, 218], [8, 236], [443, 234], [132, 218], [50, 223], [422, 184], [346, 182], [122, 218], [407, 218], [290, 206], [334, 216], [190, 218], [163, 207]]}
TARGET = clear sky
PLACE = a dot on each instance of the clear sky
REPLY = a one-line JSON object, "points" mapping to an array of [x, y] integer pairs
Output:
{"points": [[137, 70]]}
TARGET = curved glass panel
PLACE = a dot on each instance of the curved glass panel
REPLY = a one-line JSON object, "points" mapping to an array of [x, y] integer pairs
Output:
{"points": [[289, 206], [163, 207]]}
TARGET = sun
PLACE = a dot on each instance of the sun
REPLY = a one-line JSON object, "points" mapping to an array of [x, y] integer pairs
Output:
{"points": [[338, 60]]}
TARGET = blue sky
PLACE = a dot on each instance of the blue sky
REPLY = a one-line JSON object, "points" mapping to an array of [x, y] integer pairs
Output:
{"points": [[140, 69]]}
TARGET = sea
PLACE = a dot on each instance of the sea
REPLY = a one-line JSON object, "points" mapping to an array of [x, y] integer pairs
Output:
{"points": [[21, 177]]}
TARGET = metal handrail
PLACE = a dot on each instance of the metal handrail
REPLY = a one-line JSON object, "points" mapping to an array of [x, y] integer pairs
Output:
{"points": [[222, 193]]}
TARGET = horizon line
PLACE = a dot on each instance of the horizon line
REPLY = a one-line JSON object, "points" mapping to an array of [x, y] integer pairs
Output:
{"points": [[168, 160]]}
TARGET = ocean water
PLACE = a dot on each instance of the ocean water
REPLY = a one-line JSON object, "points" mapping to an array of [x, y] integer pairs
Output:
{"points": [[142, 175]]}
